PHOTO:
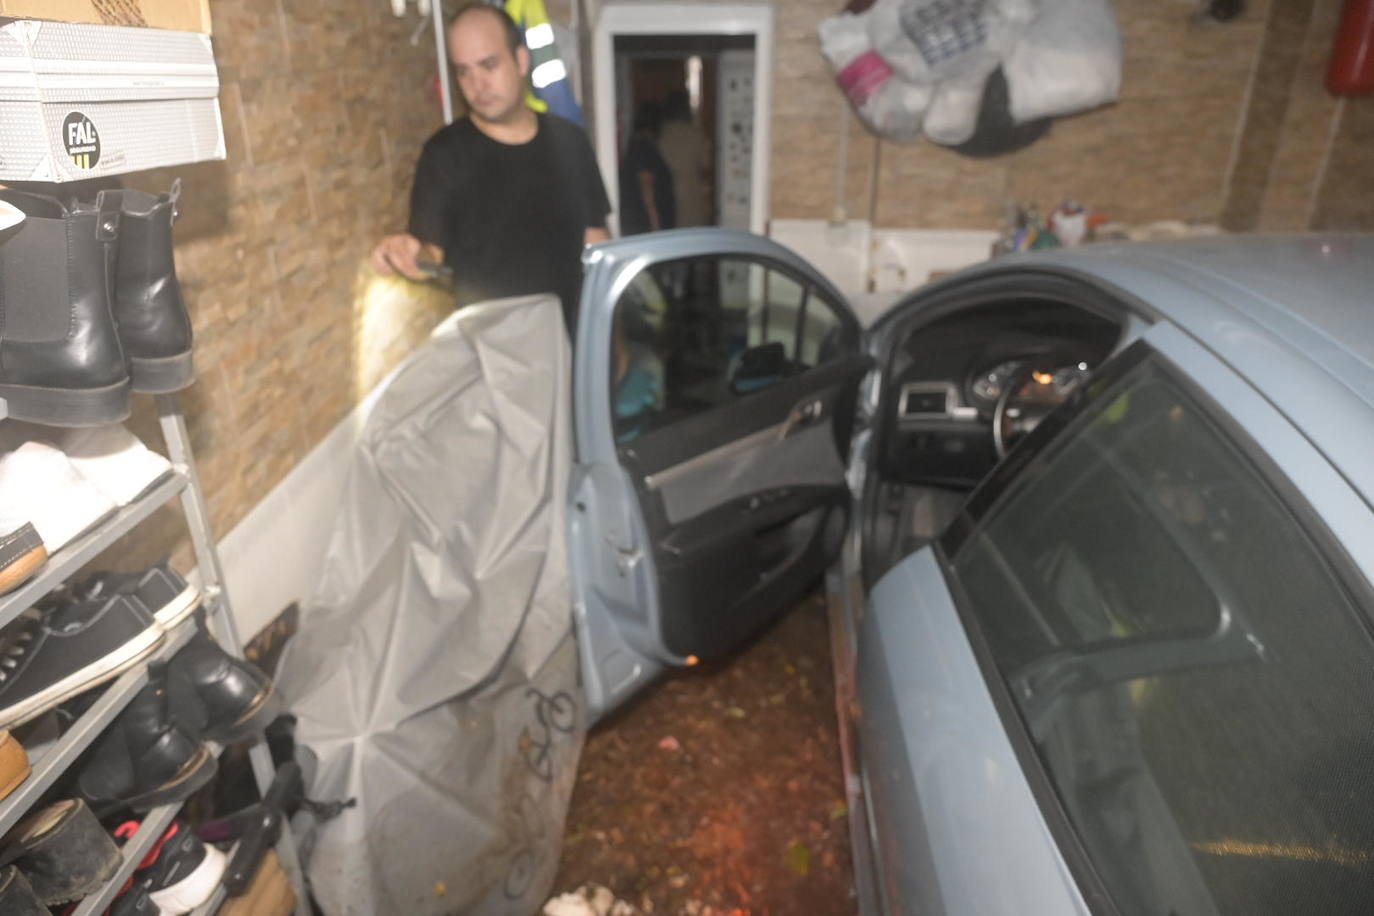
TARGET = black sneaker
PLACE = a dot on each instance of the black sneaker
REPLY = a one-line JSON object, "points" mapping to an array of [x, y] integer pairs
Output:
{"points": [[161, 589], [63, 851], [179, 873], [134, 902], [50, 655]]}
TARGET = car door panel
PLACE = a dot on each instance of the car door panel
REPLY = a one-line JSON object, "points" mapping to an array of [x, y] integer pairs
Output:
{"points": [[945, 791], [690, 535], [764, 461], [786, 436], [750, 511]]}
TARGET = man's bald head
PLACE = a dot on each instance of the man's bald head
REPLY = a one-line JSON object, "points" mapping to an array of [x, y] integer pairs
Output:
{"points": [[490, 63], [478, 8]]}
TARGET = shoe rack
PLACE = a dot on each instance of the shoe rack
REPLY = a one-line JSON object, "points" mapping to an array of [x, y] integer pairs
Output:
{"points": [[181, 482]]}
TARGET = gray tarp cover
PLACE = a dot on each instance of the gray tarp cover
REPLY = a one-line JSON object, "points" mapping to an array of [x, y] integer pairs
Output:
{"points": [[434, 675]]}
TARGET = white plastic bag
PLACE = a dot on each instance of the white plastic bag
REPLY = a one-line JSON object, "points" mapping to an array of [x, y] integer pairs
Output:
{"points": [[932, 41], [890, 107], [953, 114], [1068, 60]]}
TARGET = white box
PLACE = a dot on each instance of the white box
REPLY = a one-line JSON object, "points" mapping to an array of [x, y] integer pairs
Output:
{"points": [[188, 15], [81, 101]]}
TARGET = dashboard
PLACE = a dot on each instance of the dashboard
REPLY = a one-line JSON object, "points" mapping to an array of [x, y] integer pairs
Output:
{"points": [[970, 386]]}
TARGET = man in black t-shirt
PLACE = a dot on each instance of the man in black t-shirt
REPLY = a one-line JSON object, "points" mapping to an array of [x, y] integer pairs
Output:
{"points": [[505, 197]]}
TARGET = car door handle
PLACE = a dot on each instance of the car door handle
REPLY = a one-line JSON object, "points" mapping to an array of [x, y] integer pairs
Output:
{"points": [[808, 413]]}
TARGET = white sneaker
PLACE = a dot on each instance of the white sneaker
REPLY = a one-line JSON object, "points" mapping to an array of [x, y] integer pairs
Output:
{"points": [[39, 483], [114, 459]]}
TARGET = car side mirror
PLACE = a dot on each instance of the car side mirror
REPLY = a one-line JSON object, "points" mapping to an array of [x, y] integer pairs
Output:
{"points": [[758, 367]]}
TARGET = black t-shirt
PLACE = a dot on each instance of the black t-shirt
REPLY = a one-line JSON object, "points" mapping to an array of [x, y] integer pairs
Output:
{"points": [[510, 218]]}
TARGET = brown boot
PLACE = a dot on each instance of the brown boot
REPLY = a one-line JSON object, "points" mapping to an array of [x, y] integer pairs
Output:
{"points": [[14, 763], [21, 553]]}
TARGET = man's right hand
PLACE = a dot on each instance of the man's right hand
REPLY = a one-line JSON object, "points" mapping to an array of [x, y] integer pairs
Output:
{"points": [[402, 253]]}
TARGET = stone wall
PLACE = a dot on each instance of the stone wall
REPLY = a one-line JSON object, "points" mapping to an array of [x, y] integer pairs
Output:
{"points": [[1346, 199], [1164, 151], [325, 106], [1217, 122]]}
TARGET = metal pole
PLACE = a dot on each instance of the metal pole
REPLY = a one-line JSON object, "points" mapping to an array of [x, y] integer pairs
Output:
{"points": [[219, 615], [441, 49]]}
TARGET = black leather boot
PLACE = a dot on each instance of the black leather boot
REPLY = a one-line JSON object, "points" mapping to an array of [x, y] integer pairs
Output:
{"points": [[225, 698], [61, 362], [153, 325], [145, 759], [16, 895]]}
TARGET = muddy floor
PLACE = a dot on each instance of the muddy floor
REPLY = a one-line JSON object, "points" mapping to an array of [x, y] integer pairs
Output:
{"points": [[719, 793]]}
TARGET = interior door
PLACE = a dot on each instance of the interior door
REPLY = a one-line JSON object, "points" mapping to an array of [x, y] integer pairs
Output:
{"points": [[714, 384]]}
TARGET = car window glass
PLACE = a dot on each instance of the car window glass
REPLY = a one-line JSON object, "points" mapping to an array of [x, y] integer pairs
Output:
{"points": [[1196, 680], [770, 301], [697, 333]]}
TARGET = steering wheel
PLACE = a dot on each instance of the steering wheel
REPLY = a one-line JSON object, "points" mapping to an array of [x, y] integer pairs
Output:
{"points": [[1016, 414]]}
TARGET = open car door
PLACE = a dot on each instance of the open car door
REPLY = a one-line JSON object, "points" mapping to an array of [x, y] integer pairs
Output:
{"points": [[714, 386]]}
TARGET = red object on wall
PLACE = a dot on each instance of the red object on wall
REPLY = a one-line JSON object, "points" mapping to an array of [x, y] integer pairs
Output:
{"points": [[1351, 71]]}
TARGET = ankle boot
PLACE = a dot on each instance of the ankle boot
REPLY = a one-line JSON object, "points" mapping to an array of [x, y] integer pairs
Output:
{"points": [[153, 325], [224, 698], [145, 759], [61, 363], [63, 851]]}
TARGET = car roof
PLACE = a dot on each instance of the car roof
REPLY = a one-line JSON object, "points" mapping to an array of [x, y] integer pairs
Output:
{"points": [[1293, 314], [1324, 283]]}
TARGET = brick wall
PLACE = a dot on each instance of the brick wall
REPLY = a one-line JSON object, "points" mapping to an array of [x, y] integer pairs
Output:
{"points": [[325, 105]]}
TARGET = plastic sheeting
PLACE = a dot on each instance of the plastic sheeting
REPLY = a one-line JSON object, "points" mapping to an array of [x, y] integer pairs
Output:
{"points": [[434, 676]]}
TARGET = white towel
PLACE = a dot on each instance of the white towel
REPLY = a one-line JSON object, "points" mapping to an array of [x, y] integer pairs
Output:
{"points": [[114, 459], [39, 483]]}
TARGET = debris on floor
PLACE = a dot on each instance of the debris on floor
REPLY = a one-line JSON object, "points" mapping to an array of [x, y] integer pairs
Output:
{"points": [[588, 900], [719, 792]]}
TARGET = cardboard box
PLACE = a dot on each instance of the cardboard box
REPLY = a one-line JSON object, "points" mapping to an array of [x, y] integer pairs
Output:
{"points": [[181, 15], [270, 894], [82, 101]]}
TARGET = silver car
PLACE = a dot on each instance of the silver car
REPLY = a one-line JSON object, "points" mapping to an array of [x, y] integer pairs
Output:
{"points": [[1100, 543]]}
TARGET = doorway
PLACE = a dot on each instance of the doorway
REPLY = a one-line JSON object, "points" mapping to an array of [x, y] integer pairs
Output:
{"points": [[720, 57]]}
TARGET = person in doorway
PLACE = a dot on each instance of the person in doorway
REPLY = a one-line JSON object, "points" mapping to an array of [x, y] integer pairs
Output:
{"points": [[504, 197], [686, 150], [646, 185]]}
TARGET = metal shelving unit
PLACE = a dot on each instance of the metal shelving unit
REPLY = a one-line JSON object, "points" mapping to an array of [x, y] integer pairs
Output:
{"points": [[154, 823], [76, 739], [59, 756], [87, 547], [221, 624]]}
